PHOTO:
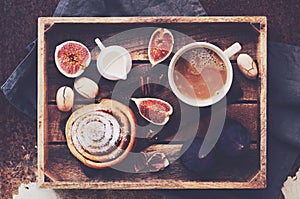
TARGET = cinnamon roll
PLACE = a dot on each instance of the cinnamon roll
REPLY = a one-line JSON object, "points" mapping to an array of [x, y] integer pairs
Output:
{"points": [[101, 135]]}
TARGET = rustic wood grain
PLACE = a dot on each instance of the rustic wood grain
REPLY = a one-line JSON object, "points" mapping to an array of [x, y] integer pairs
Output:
{"points": [[135, 37], [245, 113], [68, 171], [60, 169], [165, 19], [56, 80], [262, 64], [42, 104]]}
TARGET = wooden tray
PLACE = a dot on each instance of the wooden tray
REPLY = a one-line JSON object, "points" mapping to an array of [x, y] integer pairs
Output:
{"points": [[58, 168]]}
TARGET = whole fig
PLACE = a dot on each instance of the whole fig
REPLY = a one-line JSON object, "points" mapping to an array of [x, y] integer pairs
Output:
{"points": [[234, 139], [191, 160]]}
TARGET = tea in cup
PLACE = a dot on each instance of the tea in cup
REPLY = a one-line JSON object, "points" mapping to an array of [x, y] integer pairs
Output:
{"points": [[200, 74]]}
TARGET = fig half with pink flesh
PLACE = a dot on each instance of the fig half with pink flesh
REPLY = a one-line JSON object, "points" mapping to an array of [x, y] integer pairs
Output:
{"points": [[160, 45], [71, 58], [154, 110]]}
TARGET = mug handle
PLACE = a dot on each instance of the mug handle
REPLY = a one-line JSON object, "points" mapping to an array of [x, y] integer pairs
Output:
{"points": [[233, 49]]}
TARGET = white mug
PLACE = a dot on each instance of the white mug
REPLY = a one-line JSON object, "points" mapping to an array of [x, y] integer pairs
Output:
{"points": [[114, 62], [224, 55]]}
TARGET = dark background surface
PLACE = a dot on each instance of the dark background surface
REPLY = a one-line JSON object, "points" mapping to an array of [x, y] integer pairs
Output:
{"points": [[18, 140]]}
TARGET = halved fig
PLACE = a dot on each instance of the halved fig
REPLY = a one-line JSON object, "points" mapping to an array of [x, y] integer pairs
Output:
{"points": [[160, 45], [71, 58], [154, 110]]}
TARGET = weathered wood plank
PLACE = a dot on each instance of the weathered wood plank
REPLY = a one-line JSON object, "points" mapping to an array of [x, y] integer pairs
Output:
{"points": [[245, 113], [158, 75], [42, 102], [56, 124], [249, 87], [135, 37], [151, 19], [262, 63], [63, 167]]}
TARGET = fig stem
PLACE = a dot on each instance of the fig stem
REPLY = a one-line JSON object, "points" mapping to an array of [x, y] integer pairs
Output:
{"points": [[99, 44]]}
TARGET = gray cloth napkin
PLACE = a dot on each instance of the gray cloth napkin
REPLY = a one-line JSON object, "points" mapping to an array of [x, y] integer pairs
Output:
{"points": [[21, 87], [283, 90]]}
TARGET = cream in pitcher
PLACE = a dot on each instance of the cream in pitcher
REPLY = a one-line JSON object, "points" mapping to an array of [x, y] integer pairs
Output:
{"points": [[114, 62]]}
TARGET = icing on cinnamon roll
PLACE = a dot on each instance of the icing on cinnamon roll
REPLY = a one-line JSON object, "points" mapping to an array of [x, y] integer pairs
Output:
{"points": [[101, 135]]}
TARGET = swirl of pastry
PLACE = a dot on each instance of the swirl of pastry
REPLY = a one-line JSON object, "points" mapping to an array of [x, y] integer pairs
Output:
{"points": [[101, 135]]}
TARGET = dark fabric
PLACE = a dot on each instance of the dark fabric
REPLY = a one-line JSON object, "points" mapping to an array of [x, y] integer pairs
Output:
{"points": [[21, 87], [280, 159], [283, 90], [284, 75], [129, 8]]}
